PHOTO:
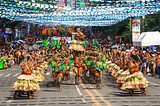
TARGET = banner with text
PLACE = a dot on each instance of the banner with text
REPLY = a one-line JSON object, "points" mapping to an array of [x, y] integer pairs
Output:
{"points": [[136, 24]]}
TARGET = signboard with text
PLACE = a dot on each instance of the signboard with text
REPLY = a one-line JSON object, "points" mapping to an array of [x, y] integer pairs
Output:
{"points": [[136, 23]]}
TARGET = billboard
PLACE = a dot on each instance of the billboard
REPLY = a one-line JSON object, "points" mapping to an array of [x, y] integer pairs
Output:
{"points": [[136, 23], [81, 4], [61, 3]]}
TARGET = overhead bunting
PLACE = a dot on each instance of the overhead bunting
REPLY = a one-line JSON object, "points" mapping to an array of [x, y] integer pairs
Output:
{"points": [[46, 12]]}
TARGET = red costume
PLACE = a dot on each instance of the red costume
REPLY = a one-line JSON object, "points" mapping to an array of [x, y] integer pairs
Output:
{"points": [[63, 40]]}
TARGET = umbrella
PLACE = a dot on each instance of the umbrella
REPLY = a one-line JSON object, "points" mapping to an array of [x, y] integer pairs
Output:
{"points": [[127, 48], [24, 41], [38, 41], [26, 46], [18, 41], [115, 46], [152, 47], [120, 45], [116, 37], [35, 46]]}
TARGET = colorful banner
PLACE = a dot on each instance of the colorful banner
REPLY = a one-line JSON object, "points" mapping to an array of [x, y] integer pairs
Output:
{"points": [[81, 4], [135, 29], [68, 39]]}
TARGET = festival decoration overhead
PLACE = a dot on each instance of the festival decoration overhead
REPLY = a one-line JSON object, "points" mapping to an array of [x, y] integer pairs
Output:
{"points": [[46, 12]]}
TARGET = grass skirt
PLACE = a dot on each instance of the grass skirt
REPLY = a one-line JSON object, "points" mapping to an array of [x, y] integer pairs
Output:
{"points": [[122, 76], [135, 81], [26, 83], [76, 45], [38, 77]]}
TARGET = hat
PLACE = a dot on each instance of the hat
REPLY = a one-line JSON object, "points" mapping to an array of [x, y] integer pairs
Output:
{"points": [[144, 51], [127, 50], [153, 55]]}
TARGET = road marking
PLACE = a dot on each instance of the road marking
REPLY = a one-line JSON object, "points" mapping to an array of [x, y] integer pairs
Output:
{"points": [[1, 74], [48, 73], [83, 100], [9, 101], [13, 69], [7, 75], [78, 90], [108, 104], [90, 94], [16, 74], [153, 83]]}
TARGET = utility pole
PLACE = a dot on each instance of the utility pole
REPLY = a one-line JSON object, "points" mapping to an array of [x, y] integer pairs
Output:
{"points": [[143, 17], [159, 20]]}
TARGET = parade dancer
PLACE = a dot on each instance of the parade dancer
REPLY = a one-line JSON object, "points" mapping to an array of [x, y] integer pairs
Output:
{"points": [[57, 72], [25, 82], [99, 68], [78, 67], [78, 48], [135, 80]]}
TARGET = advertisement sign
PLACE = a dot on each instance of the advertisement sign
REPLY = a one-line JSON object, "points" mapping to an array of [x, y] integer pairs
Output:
{"points": [[81, 4], [136, 23], [61, 3], [77, 4]]}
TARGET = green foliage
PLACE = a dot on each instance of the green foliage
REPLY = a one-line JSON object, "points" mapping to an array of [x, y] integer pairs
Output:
{"points": [[151, 23], [124, 28]]}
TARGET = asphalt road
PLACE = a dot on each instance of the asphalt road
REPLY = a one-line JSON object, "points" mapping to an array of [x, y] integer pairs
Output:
{"points": [[84, 94]]}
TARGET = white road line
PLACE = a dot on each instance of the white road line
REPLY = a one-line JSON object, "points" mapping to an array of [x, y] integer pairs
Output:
{"points": [[153, 83], [1, 74], [9, 101], [83, 100], [78, 89], [7, 75], [48, 73], [16, 74]]}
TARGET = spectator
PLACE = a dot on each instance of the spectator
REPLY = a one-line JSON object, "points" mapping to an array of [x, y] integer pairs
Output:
{"points": [[144, 62]]}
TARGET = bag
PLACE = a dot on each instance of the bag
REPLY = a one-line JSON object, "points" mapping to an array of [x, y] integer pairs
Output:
{"points": [[158, 65]]}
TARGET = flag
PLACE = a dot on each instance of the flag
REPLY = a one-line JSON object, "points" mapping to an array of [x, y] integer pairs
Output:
{"points": [[58, 43], [62, 31], [51, 31], [94, 43], [4, 30], [47, 44], [55, 43], [54, 32]]}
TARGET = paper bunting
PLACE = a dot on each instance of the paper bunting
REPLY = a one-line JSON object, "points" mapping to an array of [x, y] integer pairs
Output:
{"points": [[46, 12]]}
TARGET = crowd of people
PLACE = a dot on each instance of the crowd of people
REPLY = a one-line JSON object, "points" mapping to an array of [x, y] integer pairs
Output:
{"points": [[126, 63], [124, 66]]}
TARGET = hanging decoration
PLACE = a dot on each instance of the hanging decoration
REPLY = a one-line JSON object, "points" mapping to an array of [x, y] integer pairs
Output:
{"points": [[46, 12]]}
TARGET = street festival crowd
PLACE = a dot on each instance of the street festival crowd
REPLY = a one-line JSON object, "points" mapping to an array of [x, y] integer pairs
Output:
{"points": [[126, 63]]}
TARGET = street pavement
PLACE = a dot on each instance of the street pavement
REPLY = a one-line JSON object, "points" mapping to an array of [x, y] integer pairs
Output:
{"points": [[84, 94]]}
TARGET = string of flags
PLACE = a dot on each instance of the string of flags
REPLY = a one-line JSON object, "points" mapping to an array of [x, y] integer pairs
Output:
{"points": [[48, 13]]}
